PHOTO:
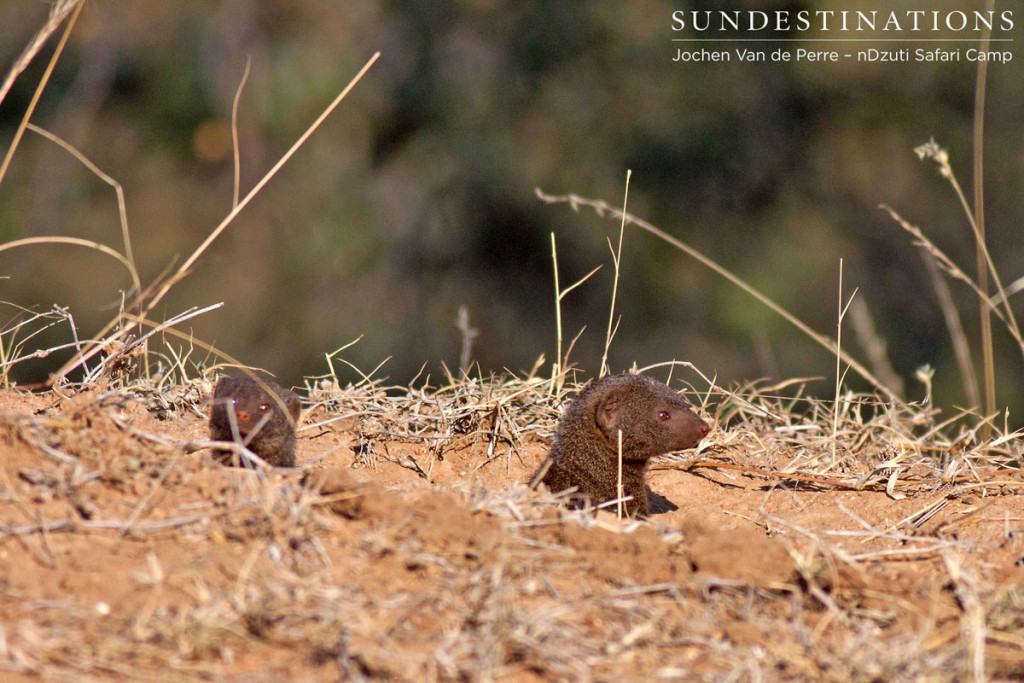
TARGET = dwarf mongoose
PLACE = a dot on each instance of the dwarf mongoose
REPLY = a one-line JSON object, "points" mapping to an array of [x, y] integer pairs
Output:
{"points": [[653, 419], [244, 411]]}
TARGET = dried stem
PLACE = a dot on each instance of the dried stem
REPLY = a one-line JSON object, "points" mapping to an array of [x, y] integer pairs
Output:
{"points": [[616, 260]]}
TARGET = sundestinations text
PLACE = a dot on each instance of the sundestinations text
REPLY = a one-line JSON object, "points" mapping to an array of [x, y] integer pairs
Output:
{"points": [[842, 20]]}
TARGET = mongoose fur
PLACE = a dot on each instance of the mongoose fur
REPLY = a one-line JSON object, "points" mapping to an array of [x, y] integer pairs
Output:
{"points": [[264, 423], [654, 420]]}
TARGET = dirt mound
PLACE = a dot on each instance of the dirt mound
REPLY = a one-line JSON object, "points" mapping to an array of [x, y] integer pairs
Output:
{"points": [[414, 550]]}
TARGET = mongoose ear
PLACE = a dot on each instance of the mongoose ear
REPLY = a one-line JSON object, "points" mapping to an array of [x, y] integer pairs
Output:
{"points": [[294, 406], [608, 411]]}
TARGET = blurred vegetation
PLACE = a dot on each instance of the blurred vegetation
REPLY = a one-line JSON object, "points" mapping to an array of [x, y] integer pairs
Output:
{"points": [[417, 196]]}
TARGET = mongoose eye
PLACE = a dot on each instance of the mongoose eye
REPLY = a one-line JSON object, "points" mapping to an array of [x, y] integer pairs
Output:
{"points": [[264, 407], [663, 415], [234, 401]]}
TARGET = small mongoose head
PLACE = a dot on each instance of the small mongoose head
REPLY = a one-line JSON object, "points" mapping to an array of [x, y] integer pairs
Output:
{"points": [[261, 414], [252, 406], [653, 418]]}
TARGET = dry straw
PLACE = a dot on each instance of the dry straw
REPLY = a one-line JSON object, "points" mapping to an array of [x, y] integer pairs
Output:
{"points": [[287, 591]]}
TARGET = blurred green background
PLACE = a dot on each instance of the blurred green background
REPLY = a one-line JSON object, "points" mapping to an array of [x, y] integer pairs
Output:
{"points": [[417, 196]]}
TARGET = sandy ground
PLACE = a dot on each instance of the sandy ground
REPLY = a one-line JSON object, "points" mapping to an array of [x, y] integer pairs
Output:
{"points": [[122, 556]]}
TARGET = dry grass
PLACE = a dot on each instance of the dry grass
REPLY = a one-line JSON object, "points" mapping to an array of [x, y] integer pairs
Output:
{"points": [[881, 445], [491, 581]]}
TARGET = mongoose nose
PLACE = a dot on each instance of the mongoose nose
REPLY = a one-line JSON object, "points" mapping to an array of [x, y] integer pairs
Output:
{"points": [[242, 415], [704, 429]]}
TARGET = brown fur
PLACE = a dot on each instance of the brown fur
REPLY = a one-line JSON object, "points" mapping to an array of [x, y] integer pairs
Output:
{"points": [[244, 402], [654, 420]]}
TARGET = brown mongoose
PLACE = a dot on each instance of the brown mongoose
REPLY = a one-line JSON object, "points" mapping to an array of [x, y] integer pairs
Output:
{"points": [[264, 423], [654, 420]]}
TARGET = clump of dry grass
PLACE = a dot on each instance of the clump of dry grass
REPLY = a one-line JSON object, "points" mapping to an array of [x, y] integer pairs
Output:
{"points": [[882, 445], [19, 330], [499, 410]]}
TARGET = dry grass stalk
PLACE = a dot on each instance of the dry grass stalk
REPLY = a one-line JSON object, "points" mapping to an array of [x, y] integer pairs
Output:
{"points": [[469, 334], [236, 154], [948, 266], [874, 346], [190, 261], [961, 348], [122, 209], [618, 487], [981, 250], [839, 360], [561, 364], [616, 261], [59, 11]]}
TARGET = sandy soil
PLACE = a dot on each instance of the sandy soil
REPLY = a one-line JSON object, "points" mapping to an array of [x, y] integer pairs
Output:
{"points": [[122, 556]]}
